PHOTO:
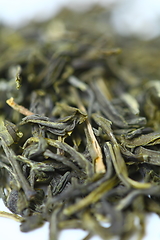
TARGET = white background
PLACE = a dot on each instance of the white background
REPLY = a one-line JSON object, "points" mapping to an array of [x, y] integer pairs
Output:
{"points": [[140, 18]]}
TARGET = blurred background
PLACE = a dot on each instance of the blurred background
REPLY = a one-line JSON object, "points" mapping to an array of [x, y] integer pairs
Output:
{"points": [[137, 21], [129, 18]]}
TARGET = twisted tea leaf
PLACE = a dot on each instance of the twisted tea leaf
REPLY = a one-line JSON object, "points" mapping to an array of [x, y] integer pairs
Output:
{"points": [[87, 150]]}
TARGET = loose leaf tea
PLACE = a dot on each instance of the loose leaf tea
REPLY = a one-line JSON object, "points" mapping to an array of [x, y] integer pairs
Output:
{"points": [[79, 127]]}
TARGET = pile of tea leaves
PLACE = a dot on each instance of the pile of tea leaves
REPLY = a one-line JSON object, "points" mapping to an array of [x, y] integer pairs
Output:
{"points": [[79, 127]]}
